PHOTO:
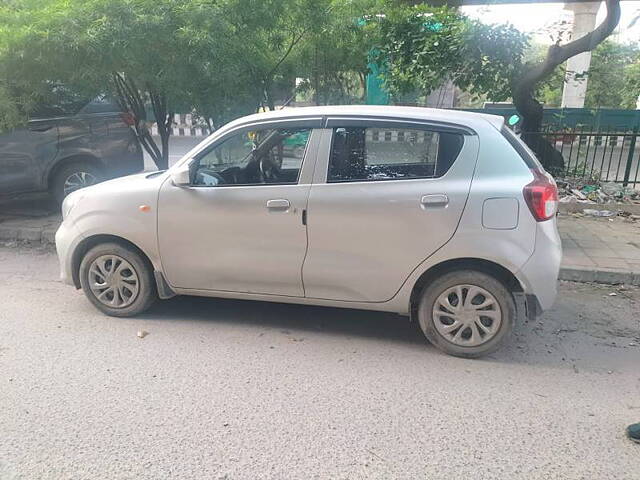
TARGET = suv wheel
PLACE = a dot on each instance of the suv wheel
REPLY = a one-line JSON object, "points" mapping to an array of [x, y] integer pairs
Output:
{"points": [[467, 313], [117, 280], [73, 177]]}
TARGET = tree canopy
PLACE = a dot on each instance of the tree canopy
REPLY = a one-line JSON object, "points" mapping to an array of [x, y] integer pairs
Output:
{"points": [[220, 59], [217, 58], [425, 46]]}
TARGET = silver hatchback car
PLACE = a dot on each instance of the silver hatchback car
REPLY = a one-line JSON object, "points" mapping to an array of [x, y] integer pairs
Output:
{"points": [[443, 216]]}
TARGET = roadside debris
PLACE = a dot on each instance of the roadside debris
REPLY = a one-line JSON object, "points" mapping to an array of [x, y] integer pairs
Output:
{"points": [[593, 192], [142, 333], [599, 213], [577, 191]]}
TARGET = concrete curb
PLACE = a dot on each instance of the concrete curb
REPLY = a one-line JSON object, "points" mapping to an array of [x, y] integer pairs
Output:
{"points": [[589, 275], [28, 231], [27, 234], [46, 236], [632, 208]]}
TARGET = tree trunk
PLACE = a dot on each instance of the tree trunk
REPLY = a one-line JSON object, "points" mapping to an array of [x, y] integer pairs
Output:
{"points": [[531, 127], [268, 96], [165, 152], [362, 76], [211, 123], [315, 74], [524, 86], [130, 100], [164, 119]]}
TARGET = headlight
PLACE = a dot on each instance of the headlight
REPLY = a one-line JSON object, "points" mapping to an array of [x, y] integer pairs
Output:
{"points": [[69, 202]]}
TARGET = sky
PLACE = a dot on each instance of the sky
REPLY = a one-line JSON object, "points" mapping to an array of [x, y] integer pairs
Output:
{"points": [[533, 18]]}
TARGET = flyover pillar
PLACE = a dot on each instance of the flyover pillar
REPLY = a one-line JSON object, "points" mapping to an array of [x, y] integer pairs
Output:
{"points": [[584, 21]]}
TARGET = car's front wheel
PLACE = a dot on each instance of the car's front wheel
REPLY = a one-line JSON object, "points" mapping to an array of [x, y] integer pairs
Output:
{"points": [[117, 280], [467, 313]]}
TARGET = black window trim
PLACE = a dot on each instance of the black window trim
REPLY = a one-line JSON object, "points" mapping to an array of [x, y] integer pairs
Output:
{"points": [[309, 123], [333, 121], [518, 145], [367, 123], [291, 122]]}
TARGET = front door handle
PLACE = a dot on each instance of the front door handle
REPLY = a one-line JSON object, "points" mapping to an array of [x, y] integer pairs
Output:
{"points": [[434, 200], [278, 204]]}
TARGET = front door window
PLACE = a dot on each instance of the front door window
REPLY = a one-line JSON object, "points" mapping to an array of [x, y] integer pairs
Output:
{"points": [[257, 157]]}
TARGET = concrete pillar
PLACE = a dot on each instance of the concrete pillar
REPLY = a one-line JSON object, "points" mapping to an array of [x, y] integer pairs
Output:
{"points": [[584, 21]]}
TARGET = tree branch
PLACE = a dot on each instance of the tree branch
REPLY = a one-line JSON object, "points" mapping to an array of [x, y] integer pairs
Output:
{"points": [[130, 100], [294, 42], [523, 88], [558, 54]]}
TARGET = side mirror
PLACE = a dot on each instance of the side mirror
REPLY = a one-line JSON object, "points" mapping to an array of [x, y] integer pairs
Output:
{"points": [[181, 177]]}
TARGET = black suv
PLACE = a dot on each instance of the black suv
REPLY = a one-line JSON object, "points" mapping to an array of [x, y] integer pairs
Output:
{"points": [[61, 151]]}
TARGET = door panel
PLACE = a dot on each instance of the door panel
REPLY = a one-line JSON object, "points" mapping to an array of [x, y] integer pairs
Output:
{"points": [[232, 230], [25, 154], [366, 237], [227, 238]]}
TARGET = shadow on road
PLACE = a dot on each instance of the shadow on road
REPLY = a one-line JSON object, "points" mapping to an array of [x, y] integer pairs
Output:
{"points": [[338, 321], [577, 334]]}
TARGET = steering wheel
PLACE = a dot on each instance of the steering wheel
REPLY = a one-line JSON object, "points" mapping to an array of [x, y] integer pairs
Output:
{"points": [[269, 170], [209, 178]]}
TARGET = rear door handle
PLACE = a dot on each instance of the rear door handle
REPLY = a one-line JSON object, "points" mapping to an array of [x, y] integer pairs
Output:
{"points": [[278, 204], [434, 200]]}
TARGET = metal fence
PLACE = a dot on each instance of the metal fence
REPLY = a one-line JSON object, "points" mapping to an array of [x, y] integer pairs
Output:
{"points": [[597, 155], [602, 119]]}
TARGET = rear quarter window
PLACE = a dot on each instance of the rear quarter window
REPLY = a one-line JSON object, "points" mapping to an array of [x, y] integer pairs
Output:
{"points": [[528, 157]]}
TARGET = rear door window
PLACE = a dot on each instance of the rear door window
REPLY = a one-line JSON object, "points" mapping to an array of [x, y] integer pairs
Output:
{"points": [[377, 154]]}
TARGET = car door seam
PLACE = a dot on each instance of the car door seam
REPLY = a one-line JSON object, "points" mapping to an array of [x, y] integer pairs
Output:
{"points": [[306, 207]]}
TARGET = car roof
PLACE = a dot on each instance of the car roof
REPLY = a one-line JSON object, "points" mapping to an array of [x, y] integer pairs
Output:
{"points": [[459, 117], [472, 120]]}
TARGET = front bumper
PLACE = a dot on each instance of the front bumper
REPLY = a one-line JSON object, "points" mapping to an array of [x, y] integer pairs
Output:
{"points": [[67, 239]]}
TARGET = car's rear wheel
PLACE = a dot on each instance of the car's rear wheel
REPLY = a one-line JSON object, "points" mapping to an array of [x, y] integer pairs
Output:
{"points": [[72, 177], [467, 313], [117, 280]]}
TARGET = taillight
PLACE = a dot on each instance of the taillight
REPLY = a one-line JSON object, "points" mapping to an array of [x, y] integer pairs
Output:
{"points": [[128, 118], [541, 196]]}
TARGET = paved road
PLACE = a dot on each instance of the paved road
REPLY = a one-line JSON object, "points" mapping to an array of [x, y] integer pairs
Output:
{"points": [[244, 390]]}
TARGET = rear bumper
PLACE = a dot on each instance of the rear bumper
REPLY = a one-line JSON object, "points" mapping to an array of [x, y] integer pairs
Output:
{"points": [[539, 275]]}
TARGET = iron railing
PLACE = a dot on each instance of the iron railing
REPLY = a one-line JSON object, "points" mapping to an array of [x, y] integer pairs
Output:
{"points": [[603, 156]]}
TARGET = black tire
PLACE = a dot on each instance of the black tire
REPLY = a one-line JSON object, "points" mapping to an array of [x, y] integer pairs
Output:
{"points": [[494, 287], [57, 185], [146, 294]]}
